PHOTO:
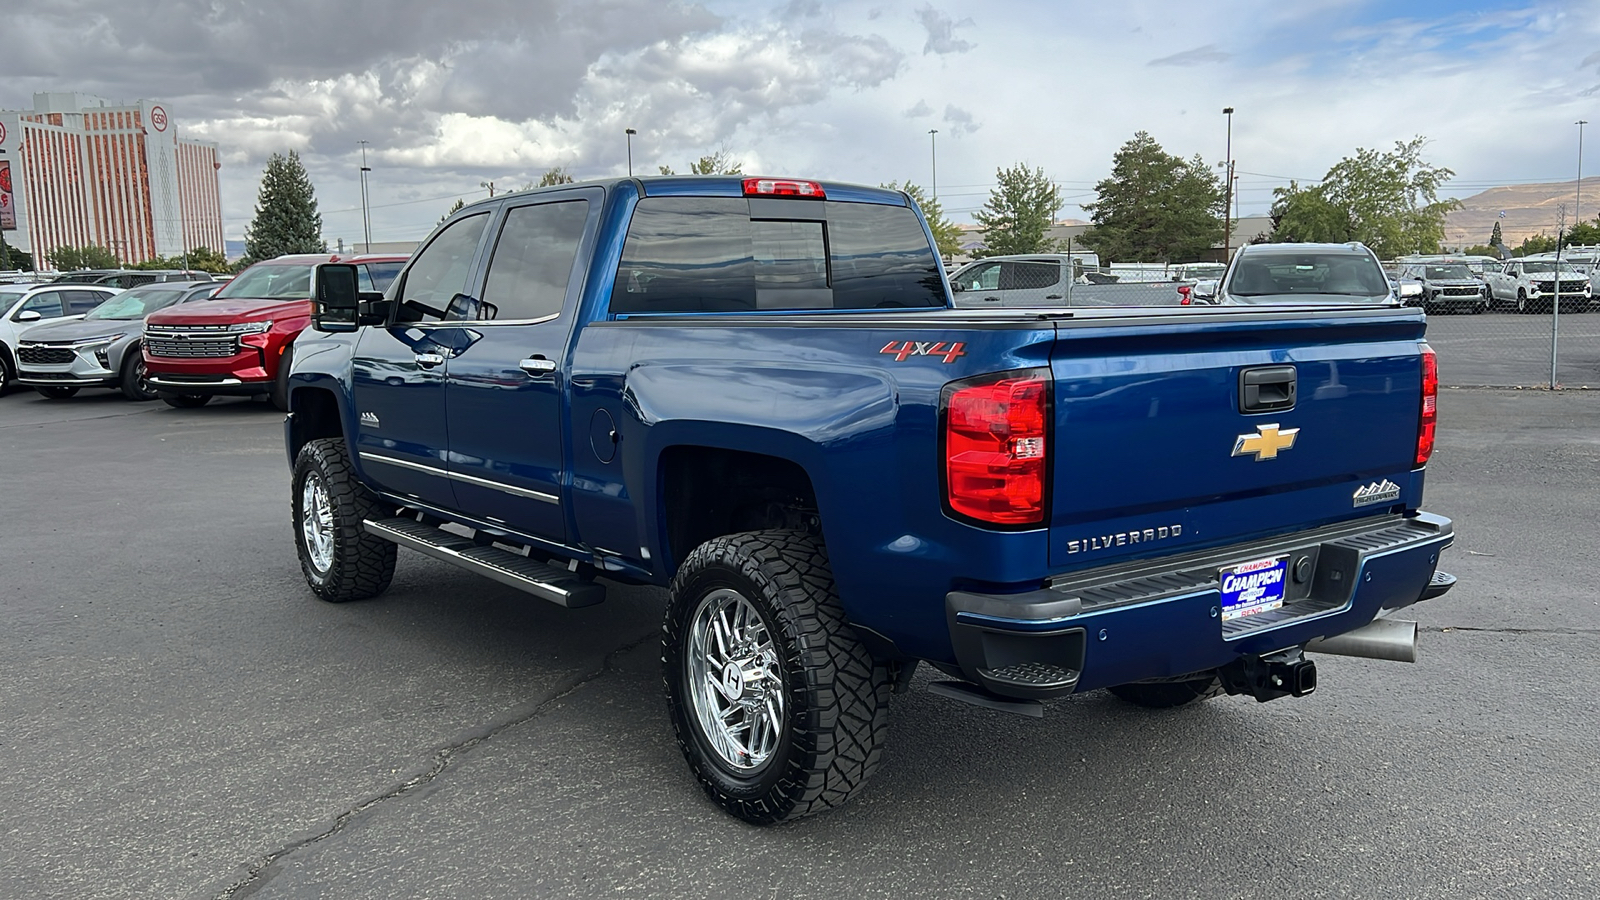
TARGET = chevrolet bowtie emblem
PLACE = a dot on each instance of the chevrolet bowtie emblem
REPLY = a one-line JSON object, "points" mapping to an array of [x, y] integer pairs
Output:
{"points": [[1266, 443]]}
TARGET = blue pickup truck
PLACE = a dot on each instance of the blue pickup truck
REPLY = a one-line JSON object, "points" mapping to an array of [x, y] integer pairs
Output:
{"points": [[758, 393]]}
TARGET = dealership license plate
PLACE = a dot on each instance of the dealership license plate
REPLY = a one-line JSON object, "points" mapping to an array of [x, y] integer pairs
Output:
{"points": [[1253, 587]]}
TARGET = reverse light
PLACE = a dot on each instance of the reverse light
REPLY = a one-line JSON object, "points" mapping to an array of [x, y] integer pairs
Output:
{"points": [[783, 187], [996, 450], [1430, 404]]}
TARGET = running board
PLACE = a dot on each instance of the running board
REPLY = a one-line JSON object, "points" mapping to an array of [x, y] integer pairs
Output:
{"points": [[544, 581]]}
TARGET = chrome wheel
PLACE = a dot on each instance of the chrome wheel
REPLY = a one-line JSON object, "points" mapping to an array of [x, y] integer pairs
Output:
{"points": [[734, 680], [316, 522]]}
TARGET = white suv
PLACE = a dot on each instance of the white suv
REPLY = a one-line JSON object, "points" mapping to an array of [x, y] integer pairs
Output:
{"points": [[23, 306]]}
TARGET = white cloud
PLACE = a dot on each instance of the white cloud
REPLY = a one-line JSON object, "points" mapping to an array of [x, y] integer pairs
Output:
{"points": [[941, 32]]}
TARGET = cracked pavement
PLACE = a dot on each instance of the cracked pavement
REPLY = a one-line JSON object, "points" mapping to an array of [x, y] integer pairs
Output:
{"points": [[180, 718]]}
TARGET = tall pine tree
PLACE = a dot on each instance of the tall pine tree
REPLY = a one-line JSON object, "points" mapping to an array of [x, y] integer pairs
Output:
{"points": [[286, 218], [1495, 239], [1019, 212]]}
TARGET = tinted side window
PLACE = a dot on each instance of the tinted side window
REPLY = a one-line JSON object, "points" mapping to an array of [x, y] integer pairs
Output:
{"points": [[377, 276], [1029, 276], [982, 277], [533, 259], [439, 274], [79, 302], [46, 303], [705, 254]]}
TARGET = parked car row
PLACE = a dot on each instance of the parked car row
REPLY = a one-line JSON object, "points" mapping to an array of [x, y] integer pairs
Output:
{"points": [[184, 341]]}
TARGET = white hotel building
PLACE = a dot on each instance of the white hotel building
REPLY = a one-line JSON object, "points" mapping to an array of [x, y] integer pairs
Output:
{"points": [[76, 170]]}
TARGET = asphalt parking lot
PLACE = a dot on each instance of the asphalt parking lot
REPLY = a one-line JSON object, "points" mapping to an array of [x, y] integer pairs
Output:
{"points": [[180, 718]]}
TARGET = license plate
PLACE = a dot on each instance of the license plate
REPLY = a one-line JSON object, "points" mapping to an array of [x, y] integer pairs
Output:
{"points": [[1253, 587]]}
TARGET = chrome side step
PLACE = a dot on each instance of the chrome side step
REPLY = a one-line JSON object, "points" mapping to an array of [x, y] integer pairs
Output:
{"points": [[546, 582]]}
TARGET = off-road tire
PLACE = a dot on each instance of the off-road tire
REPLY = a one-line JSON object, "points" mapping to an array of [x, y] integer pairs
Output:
{"points": [[132, 383], [1168, 694], [362, 565], [185, 401], [6, 371], [1522, 302], [280, 384], [58, 393], [836, 694]]}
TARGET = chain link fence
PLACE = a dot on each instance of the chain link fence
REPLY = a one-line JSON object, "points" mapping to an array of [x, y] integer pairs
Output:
{"points": [[1508, 349]]}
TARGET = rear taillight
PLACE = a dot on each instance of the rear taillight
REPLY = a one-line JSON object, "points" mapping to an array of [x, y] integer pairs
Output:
{"points": [[1430, 404], [783, 187], [1185, 296], [996, 433]]}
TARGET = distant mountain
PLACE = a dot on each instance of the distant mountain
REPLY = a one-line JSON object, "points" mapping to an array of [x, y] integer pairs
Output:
{"points": [[1529, 209]]}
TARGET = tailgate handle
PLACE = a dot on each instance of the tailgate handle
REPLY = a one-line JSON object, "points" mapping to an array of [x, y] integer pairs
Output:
{"points": [[1266, 389]]}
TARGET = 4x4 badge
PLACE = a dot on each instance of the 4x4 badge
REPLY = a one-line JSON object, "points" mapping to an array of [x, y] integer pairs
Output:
{"points": [[1265, 443]]}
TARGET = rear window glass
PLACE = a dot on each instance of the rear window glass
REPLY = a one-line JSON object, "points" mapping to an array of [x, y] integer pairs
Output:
{"points": [[706, 254]]}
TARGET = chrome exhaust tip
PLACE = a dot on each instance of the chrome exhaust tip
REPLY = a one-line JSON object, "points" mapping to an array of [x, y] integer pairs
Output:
{"points": [[1391, 639]]}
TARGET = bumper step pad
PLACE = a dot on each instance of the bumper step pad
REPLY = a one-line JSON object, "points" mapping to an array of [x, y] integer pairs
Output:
{"points": [[542, 580]]}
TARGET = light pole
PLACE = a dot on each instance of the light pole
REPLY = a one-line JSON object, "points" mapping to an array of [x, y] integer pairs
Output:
{"points": [[630, 133], [933, 150], [366, 218], [1227, 189], [1577, 204]]}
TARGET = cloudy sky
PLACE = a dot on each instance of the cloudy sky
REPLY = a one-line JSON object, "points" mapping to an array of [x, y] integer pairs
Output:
{"points": [[453, 94]]}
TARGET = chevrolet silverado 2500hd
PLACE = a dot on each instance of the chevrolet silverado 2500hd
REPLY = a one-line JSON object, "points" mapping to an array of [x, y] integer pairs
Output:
{"points": [[757, 393]]}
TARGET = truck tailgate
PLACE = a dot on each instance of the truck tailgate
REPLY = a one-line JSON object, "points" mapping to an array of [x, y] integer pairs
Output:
{"points": [[1153, 453]]}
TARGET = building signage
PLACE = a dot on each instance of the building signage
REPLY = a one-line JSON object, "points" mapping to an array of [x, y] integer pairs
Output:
{"points": [[158, 118], [8, 210]]}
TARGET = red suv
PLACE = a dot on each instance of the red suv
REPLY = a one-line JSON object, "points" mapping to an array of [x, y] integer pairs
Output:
{"points": [[239, 342]]}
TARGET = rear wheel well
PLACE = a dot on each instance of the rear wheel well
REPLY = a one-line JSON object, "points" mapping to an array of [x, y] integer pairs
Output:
{"points": [[709, 491], [316, 415]]}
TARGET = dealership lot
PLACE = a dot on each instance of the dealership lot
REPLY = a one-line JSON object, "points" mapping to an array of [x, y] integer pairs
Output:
{"points": [[182, 719]]}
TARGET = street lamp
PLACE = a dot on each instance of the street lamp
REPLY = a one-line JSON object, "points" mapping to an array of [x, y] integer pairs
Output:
{"points": [[1227, 188], [366, 217], [933, 150], [630, 133], [1577, 213]]}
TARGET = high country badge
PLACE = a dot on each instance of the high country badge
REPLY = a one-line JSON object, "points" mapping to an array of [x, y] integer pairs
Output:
{"points": [[1384, 491]]}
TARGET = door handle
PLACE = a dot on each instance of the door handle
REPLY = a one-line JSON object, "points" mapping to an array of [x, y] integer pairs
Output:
{"points": [[537, 366], [1052, 296], [991, 299], [429, 360]]}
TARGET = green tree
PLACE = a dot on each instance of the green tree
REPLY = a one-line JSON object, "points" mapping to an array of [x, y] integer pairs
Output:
{"points": [[200, 259], [286, 219], [89, 256], [1388, 201], [1155, 207], [1019, 212], [1535, 243], [945, 233], [1483, 250], [555, 176], [1583, 234], [1495, 238], [718, 163], [454, 208]]}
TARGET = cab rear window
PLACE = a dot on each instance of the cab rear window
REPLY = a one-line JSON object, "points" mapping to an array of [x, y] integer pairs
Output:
{"points": [[725, 254]]}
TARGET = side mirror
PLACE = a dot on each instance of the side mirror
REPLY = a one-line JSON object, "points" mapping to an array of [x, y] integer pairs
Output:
{"points": [[957, 287], [336, 304], [1204, 290], [28, 315]]}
